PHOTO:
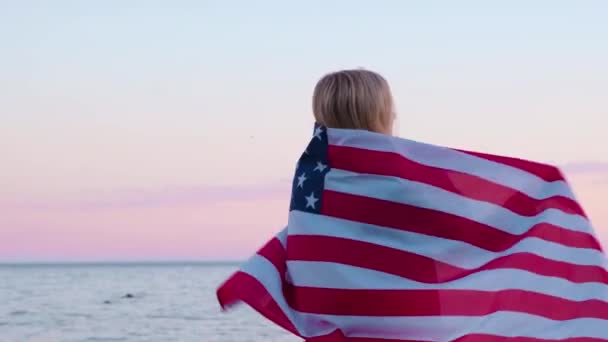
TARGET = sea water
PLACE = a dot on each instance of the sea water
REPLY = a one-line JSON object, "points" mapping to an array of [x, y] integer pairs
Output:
{"points": [[124, 302]]}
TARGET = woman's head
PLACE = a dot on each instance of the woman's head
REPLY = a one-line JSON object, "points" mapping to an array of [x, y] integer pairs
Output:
{"points": [[355, 99]]}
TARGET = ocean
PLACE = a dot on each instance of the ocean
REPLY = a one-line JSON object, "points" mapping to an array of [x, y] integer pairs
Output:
{"points": [[124, 302]]}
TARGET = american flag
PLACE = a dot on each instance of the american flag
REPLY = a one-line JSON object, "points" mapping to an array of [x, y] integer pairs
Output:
{"points": [[390, 239]]}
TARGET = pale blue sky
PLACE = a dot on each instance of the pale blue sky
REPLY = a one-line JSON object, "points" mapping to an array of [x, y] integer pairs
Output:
{"points": [[103, 98]]}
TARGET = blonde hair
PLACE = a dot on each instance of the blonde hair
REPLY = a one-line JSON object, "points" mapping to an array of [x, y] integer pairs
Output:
{"points": [[355, 99]]}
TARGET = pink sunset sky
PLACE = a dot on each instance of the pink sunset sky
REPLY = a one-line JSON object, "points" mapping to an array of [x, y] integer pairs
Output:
{"points": [[141, 131]]}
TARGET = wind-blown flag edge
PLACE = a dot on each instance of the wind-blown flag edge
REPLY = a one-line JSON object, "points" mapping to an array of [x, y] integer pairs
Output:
{"points": [[273, 258]]}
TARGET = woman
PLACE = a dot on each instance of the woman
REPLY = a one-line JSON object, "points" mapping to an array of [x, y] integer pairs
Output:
{"points": [[390, 239], [354, 99]]}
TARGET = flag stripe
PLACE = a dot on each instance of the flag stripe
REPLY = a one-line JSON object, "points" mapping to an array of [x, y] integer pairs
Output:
{"points": [[443, 202], [416, 327], [426, 270], [246, 288], [392, 164], [282, 237], [546, 172], [450, 251], [494, 338], [274, 252], [337, 275], [449, 159], [500, 326], [265, 273], [371, 302], [339, 337], [441, 224]]}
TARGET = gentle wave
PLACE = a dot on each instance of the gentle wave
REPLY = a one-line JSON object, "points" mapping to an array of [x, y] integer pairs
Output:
{"points": [[133, 302]]}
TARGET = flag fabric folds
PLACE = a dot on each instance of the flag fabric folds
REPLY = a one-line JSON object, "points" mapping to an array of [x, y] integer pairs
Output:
{"points": [[390, 239]]}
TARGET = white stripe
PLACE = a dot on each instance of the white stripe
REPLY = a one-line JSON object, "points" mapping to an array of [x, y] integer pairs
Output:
{"points": [[443, 157], [340, 276], [265, 272], [423, 195], [449, 328], [453, 252], [437, 328], [282, 237]]}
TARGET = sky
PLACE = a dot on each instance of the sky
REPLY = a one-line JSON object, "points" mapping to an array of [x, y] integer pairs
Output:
{"points": [[168, 130]]}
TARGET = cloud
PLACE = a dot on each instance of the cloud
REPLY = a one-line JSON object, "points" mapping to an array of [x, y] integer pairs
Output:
{"points": [[204, 194], [168, 196]]}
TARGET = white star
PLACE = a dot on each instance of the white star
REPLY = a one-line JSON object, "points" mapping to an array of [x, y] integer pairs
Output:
{"points": [[301, 180], [311, 200], [320, 167], [318, 132]]}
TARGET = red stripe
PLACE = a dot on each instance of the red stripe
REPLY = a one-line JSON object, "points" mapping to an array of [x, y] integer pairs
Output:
{"points": [[338, 336], [439, 303], [427, 270], [275, 253], [544, 171], [395, 165], [441, 224], [243, 287], [493, 338]]}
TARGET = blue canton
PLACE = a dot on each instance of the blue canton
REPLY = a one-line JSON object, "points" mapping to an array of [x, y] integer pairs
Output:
{"points": [[309, 177]]}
